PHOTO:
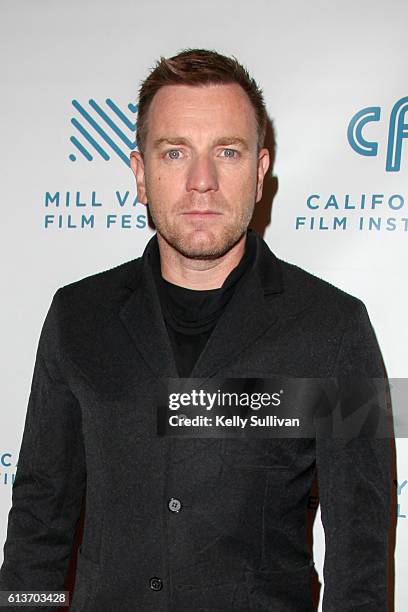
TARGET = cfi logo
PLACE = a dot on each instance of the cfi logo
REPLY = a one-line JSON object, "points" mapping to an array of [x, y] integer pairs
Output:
{"points": [[103, 130], [397, 131]]}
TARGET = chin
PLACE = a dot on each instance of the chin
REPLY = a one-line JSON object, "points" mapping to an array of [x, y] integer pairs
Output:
{"points": [[209, 246]]}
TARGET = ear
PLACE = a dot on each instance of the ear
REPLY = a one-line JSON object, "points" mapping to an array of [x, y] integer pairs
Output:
{"points": [[138, 169], [263, 165]]}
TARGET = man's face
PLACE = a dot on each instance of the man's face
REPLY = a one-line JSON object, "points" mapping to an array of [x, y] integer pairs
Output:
{"points": [[201, 173]]}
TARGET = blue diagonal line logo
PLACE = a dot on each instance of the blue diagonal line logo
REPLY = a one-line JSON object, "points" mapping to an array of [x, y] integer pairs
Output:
{"points": [[101, 133], [131, 125], [89, 138]]}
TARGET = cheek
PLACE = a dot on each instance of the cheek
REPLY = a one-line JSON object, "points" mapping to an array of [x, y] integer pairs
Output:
{"points": [[240, 184], [162, 179], [163, 192], [244, 173], [155, 185]]}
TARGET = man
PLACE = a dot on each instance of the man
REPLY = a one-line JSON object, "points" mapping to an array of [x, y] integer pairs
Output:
{"points": [[195, 524]]}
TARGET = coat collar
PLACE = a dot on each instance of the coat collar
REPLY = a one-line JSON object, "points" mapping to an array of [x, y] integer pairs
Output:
{"points": [[247, 316]]}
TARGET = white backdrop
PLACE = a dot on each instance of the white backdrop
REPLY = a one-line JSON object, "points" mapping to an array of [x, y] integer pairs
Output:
{"points": [[319, 64]]}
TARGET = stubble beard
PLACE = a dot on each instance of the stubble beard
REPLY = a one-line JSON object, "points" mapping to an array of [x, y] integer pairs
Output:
{"points": [[210, 248]]}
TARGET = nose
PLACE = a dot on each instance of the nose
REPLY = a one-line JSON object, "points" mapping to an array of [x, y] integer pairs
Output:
{"points": [[202, 174]]}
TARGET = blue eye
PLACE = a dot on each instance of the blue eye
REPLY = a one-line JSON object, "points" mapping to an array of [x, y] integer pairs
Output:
{"points": [[173, 154], [229, 152]]}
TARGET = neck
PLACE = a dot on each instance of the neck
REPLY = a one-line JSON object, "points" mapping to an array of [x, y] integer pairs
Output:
{"points": [[199, 274]]}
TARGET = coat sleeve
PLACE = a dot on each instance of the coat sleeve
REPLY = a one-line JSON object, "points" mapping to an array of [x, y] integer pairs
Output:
{"points": [[50, 479], [354, 479]]}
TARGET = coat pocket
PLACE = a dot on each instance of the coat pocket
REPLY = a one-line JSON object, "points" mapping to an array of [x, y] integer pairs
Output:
{"points": [[286, 590], [87, 572]]}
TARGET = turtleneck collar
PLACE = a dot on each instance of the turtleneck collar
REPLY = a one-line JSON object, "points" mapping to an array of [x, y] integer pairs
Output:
{"points": [[191, 311]]}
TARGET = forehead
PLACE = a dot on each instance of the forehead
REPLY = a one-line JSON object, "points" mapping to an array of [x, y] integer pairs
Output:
{"points": [[215, 109]]}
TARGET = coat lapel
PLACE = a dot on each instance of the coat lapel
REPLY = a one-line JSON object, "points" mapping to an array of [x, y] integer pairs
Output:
{"points": [[142, 317], [246, 317]]}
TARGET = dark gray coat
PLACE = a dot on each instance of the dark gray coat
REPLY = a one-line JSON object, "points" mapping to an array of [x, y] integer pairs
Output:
{"points": [[238, 544]]}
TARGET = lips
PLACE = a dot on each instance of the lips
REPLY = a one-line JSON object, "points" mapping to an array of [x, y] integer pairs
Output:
{"points": [[201, 213]]}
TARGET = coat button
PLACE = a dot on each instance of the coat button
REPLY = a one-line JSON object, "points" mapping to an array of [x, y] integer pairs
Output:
{"points": [[156, 583], [174, 504]]}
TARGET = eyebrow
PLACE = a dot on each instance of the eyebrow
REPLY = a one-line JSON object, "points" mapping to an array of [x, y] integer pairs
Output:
{"points": [[179, 140]]}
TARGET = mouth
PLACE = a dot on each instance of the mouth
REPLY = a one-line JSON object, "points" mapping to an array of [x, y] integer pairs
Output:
{"points": [[201, 213]]}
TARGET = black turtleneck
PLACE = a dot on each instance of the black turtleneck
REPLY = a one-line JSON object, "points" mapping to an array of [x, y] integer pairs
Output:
{"points": [[191, 315]]}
